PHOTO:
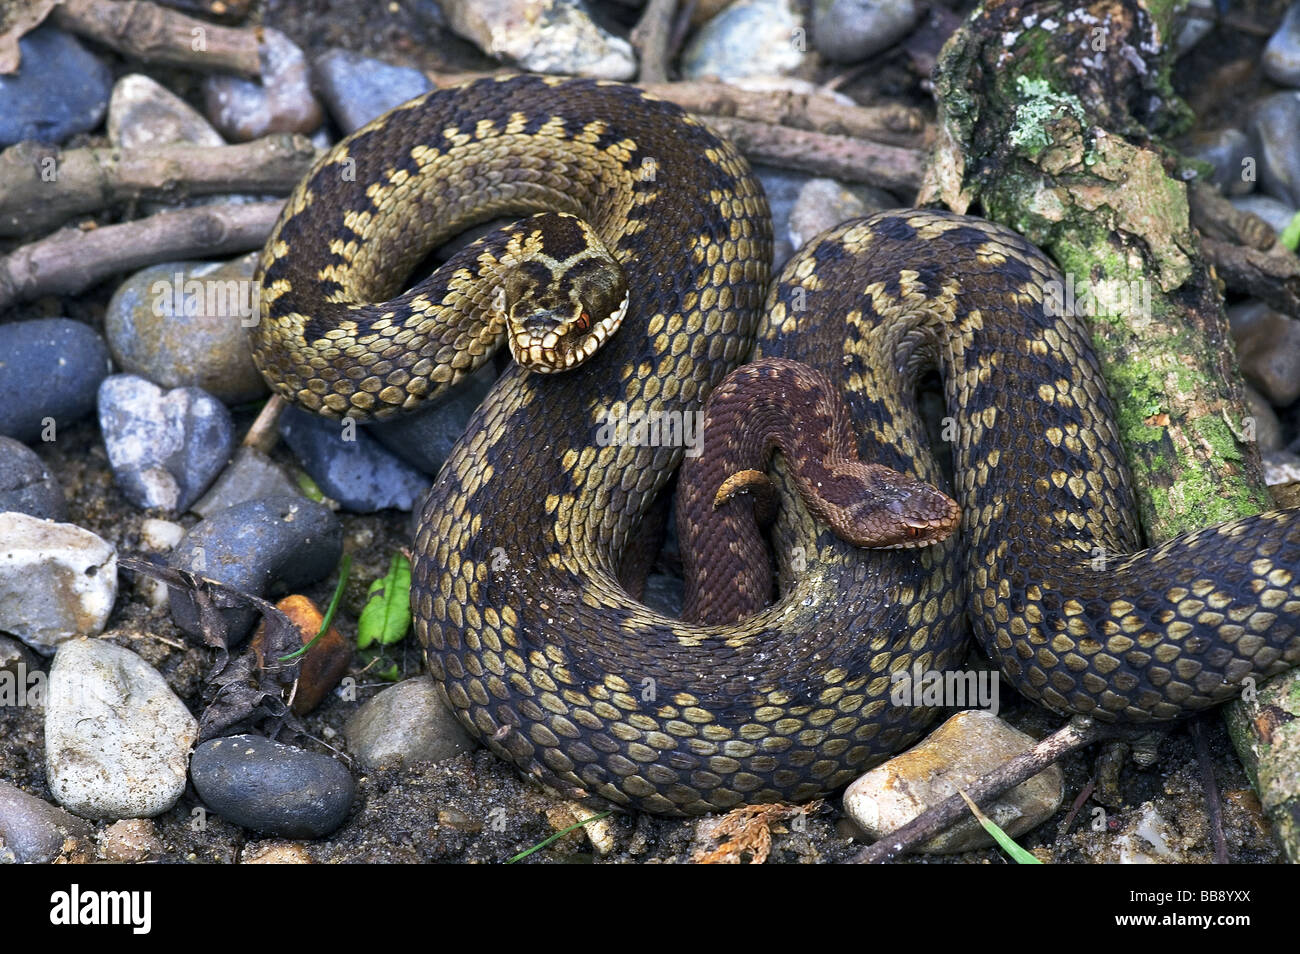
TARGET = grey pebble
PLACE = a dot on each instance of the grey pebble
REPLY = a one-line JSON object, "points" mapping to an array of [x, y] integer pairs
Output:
{"points": [[1225, 149], [404, 724], [252, 546], [558, 36], [185, 324], [782, 187], [143, 113], [50, 371], [32, 830], [1275, 132], [60, 89], [27, 485], [358, 88], [272, 788], [349, 465], [845, 31], [165, 447], [747, 38], [117, 739], [1282, 55], [1268, 347], [249, 475]]}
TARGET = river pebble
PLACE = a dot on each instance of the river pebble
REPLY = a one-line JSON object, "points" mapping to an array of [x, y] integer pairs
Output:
{"points": [[404, 724], [185, 324], [748, 38], [144, 114], [349, 465], [358, 88], [250, 475], [27, 485], [845, 31], [130, 841], [825, 203], [57, 581], [117, 739], [1268, 349], [273, 788], [243, 109], [50, 371], [32, 831], [60, 89], [966, 747], [1275, 131], [290, 541], [542, 36], [165, 447], [1281, 60], [1227, 150]]}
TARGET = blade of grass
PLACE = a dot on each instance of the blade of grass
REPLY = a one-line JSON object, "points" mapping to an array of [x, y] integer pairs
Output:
{"points": [[559, 834], [344, 567], [1018, 854]]}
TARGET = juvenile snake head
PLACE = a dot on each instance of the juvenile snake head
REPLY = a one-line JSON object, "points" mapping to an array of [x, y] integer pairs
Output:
{"points": [[563, 297], [887, 509]]}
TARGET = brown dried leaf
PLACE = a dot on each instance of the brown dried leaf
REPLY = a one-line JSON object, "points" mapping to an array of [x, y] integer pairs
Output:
{"points": [[747, 830]]}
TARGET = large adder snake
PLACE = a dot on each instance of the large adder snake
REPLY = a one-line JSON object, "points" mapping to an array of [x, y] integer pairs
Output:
{"points": [[539, 649]]}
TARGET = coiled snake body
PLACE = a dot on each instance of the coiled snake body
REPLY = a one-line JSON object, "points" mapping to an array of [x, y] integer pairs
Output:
{"points": [[539, 649]]}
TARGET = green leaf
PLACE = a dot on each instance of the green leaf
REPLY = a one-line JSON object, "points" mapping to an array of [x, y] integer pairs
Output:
{"points": [[310, 489], [387, 615], [1018, 854], [1290, 236]]}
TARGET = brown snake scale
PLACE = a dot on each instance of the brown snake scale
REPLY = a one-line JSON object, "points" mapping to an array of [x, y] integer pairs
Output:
{"points": [[538, 648]]}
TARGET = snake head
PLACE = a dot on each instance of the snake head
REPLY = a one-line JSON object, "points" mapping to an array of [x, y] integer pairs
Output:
{"points": [[889, 509], [564, 295]]}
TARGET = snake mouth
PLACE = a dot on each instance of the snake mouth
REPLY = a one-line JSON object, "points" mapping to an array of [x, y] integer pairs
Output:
{"points": [[568, 344]]}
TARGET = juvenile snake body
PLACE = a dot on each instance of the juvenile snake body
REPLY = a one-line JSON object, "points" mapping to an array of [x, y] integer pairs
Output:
{"points": [[538, 648]]}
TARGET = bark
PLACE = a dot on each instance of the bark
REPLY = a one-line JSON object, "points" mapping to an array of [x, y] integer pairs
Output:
{"points": [[1053, 118], [41, 187]]}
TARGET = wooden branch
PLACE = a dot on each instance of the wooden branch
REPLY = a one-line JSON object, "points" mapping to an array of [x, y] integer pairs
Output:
{"points": [[41, 187], [1273, 276], [155, 34], [851, 160], [1218, 218], [895, 125], [816, 112], [71, 260], [651, 37]]}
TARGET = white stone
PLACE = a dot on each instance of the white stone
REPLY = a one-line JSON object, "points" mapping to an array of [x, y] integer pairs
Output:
{"points": [[542, 36], [57, 581], [117, 740], [963, 749]]}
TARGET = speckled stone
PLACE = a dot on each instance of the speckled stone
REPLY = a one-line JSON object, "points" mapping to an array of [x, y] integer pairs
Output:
{"points": [[117, 739], [203, 343]]}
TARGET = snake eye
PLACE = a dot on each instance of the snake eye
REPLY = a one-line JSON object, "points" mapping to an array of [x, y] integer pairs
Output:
{"points": [[583, 322]]}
